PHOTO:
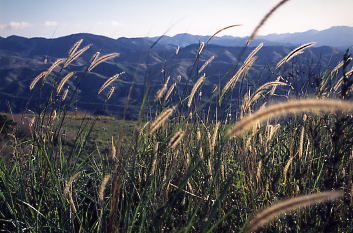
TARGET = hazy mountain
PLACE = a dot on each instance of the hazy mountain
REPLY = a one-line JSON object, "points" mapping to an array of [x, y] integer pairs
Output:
{"points": [[339, 36], [21, 59]]}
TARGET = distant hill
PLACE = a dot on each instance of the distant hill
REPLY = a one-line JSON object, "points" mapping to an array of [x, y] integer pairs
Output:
{"points": [[21, 59]]}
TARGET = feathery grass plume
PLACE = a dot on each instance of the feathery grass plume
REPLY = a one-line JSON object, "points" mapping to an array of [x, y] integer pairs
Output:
{"points": [[194, 89], [36, 79], [53, 66], [94, 57], [74, 48], [285, 206], [169, 92], [102, 187], [68, 191], [258, 93], [109, 81], [263, 20], [110, 93], [231, 83], [273, 89], [65, 94], [350, 72], [76, 55], [99, 60], [63, 81], [258, 172], [252, 54], [143, 127], [177, 50], [206, 64], [201, 47], [161, 119], [301, 142], [221, 30], [176, 139], [285, 108], [270, 131], [285, 169], [214, 137], [339, 65], [293, 53], [162, 90], [338, 83], [113, 149]]}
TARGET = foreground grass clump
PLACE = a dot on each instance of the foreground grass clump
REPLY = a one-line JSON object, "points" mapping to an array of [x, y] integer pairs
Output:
{"points": [[177, 169]]}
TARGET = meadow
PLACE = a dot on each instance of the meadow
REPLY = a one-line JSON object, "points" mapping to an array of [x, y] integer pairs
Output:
{"points": [[264, 165]]}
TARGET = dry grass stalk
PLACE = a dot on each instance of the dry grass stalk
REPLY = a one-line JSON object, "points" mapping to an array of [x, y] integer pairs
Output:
{"points": [[285, 108], [176, 139], [68, 191], [259, 91], [36, 79], [110, 93], [97, 60], [206, 64], [263, 20], [294, 53], [76, 55], [162, 90], [109, 81], [74, 47], [282, 207], [65, 94], [194, 89], [161, 119], [214, 137], [231, 83], [221, 30], [63, 81], [102, 187], [187, 192], [169, 92]]}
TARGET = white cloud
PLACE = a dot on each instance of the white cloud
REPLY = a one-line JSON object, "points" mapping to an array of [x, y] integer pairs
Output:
{"points": [[115, 23], [50, 23], [15, 25]]}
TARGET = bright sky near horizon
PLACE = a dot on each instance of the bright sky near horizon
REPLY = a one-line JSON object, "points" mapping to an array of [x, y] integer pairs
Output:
{"points": [[136, 18]]}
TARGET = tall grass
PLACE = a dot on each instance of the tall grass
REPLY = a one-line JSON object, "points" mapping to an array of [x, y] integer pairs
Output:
{"points": [[179, 170]]}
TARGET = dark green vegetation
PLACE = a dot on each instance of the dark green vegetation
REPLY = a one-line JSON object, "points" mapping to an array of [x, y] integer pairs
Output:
{"points": [[70, 172]]}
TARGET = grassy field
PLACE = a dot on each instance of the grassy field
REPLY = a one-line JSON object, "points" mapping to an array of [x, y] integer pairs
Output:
{"points": [[177, 169]]}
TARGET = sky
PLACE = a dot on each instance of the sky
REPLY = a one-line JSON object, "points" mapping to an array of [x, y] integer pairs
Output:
{"points": [[139, 18]]}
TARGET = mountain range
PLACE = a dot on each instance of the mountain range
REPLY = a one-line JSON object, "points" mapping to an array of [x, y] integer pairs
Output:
{"points": [[148, 64], [338, 36]]}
